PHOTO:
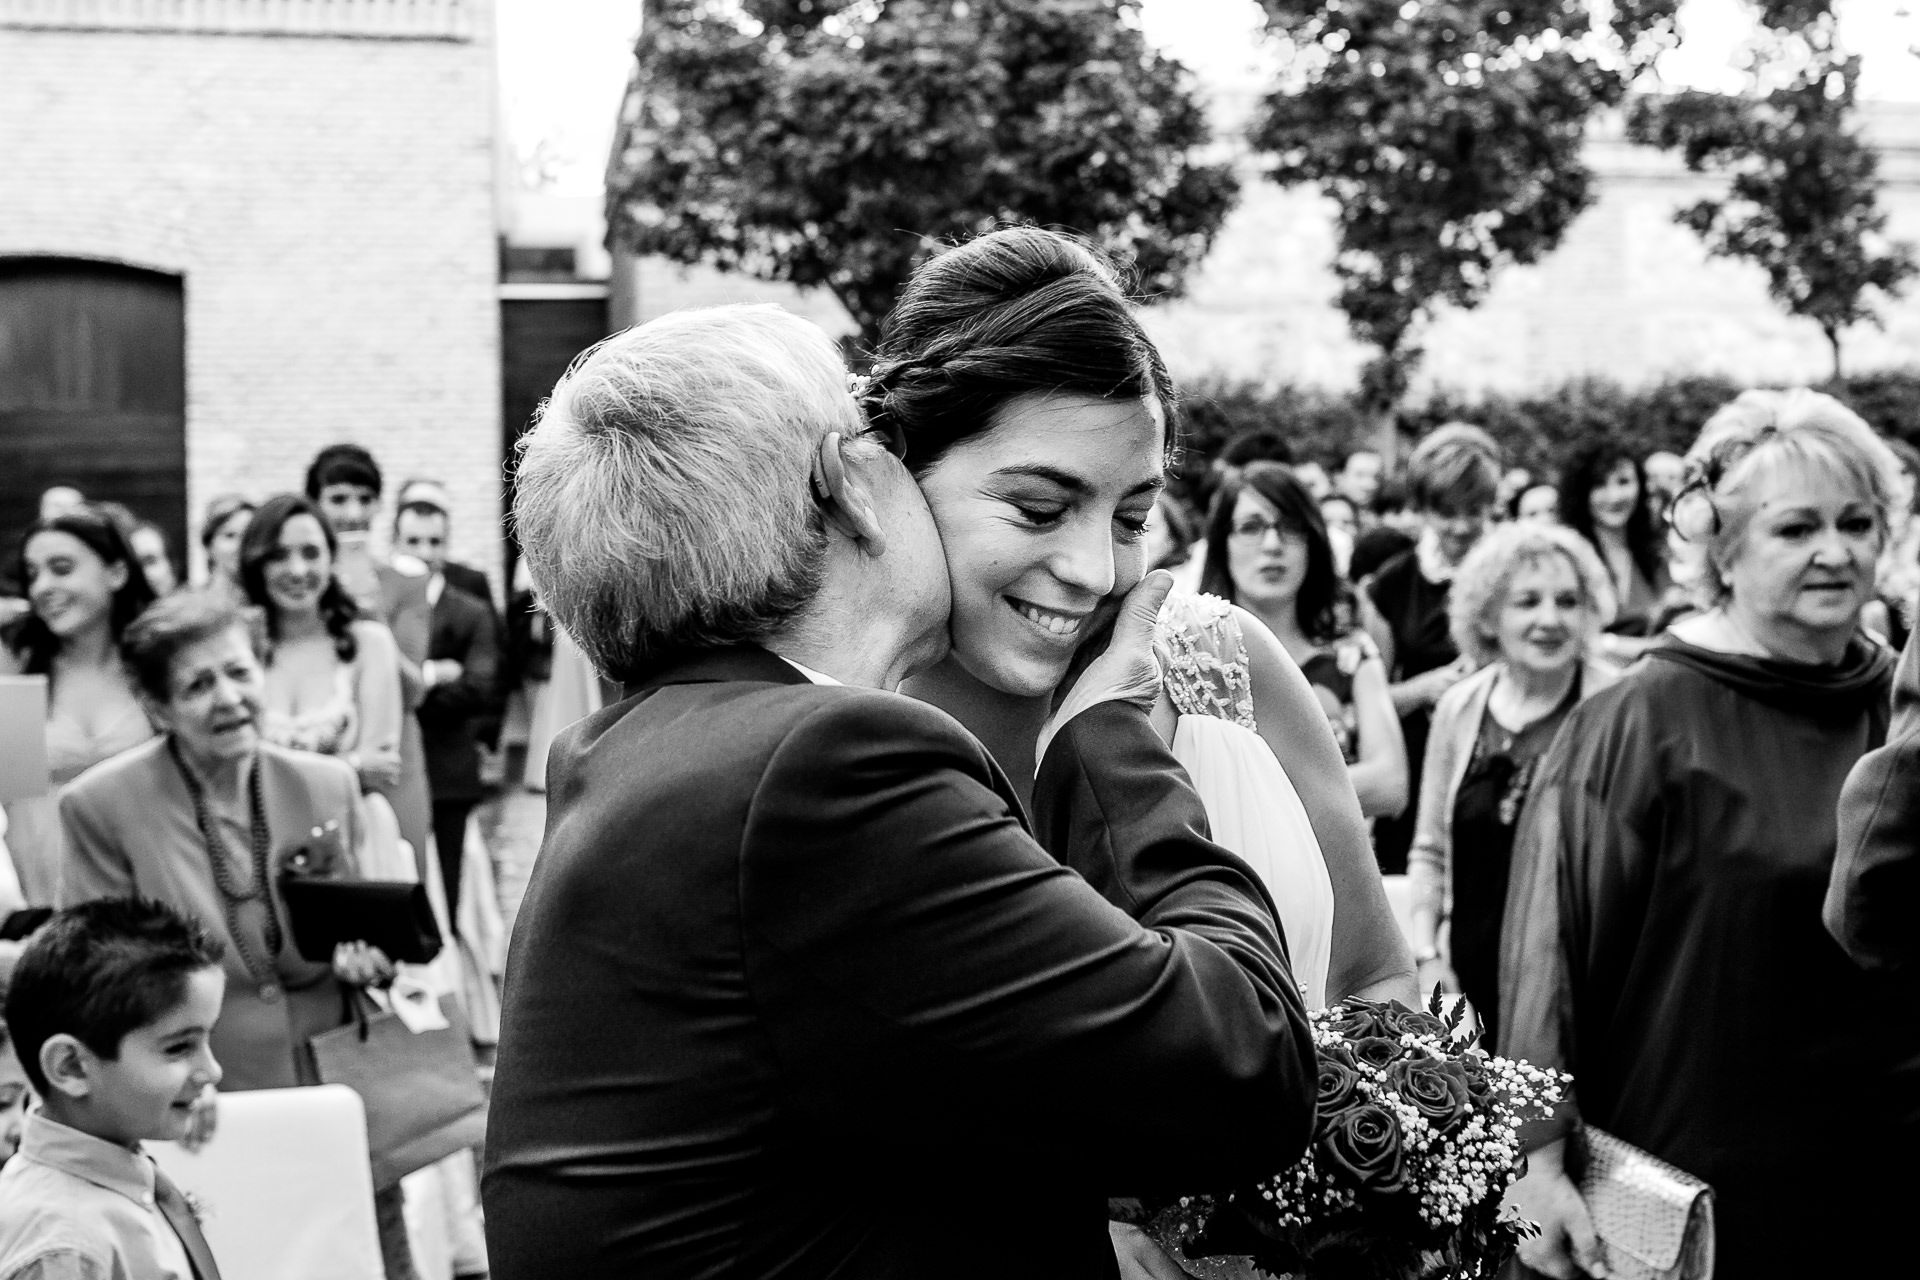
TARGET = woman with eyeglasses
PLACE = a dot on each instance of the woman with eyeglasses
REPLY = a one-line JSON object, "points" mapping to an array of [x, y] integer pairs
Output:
{"points": [[1269, 552], [1663, 937]]}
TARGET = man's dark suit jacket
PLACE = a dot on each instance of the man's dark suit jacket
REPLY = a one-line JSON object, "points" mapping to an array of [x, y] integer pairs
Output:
{"points": [[451, 714], [794, 993], [469, 580], [1873, 896]]}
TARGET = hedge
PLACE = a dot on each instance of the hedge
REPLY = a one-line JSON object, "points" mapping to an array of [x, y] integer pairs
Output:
{"points": [[1539, 430]]}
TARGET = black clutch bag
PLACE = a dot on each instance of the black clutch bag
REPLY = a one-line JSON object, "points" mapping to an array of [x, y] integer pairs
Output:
{"points": [[393, 915]]}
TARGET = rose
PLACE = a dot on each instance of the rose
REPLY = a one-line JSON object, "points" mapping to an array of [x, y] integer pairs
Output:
{"points": [[1357, 1018], [1377, 1051], [1338, 1052], [1479, 1082], [1405, 1021], [1339, 1083], [1362, 1147], [1437, 1090]]}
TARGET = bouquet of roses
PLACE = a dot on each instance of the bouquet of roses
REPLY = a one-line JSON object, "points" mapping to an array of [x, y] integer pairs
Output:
{"points": [[1416, 1141]]}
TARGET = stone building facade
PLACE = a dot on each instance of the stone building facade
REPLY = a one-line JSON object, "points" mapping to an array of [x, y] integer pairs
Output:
{"points": [[1628, 295], [318, 177]]}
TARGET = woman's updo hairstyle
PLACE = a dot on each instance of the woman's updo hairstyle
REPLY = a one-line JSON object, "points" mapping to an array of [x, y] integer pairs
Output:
{"points": [[1009, 313], [1805, 431]]}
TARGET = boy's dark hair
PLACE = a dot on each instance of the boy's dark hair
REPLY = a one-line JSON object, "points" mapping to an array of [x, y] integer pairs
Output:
{"points": [[343, 464], [99, 972]]}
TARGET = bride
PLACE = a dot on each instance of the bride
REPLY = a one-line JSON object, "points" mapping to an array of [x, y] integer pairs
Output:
{"points": [[1035, 413]]}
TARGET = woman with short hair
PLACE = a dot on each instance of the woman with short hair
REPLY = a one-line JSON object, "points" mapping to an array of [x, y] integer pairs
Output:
{"points": [[1663, 938], [1526, 606], [83, 588], [221, 533], [208, 818], [1453, 483]]}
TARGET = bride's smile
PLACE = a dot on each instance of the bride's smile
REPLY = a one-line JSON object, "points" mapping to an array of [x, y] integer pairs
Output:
{"points": [[1044, 519]]}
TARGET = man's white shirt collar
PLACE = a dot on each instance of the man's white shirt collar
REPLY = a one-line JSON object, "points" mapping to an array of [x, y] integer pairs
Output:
{"points": [[818, 677]]}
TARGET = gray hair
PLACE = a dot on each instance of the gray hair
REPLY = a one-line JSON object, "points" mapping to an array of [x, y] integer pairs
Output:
{"points": [[1480, 584], [1761, 429], [662, 498]]}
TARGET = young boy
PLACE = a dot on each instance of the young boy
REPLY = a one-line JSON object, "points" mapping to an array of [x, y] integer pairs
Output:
{"points": [[110, 1008], [14, 1091]]}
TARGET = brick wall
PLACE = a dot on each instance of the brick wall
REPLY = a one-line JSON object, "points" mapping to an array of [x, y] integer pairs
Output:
{"points": [[329, 203]]}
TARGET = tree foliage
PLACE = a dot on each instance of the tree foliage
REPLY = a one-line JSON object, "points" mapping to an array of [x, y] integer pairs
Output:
{"points": [[1448, 134], [833, 143], [1802, 199]]}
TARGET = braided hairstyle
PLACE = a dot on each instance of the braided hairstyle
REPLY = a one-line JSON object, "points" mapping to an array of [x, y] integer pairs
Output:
{"points": [[1017, 311]]}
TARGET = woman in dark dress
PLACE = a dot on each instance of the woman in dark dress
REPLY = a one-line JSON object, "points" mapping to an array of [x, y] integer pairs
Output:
{"points": [[1453, 478], [1663, 940]]}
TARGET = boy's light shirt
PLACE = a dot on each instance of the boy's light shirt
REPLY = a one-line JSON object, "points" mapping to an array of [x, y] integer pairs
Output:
{"points": [[77, 1207]]}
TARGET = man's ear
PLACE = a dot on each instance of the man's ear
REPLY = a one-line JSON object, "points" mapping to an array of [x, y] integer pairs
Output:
{"points": [[68, 1065], [844, 496]]}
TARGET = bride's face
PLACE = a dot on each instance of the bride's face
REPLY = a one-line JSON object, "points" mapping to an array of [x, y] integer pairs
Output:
{"points": [[1044, 519]]}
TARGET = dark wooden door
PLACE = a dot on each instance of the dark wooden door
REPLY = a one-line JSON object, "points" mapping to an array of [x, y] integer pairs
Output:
{"points": [[539, 338], [93, 391]]}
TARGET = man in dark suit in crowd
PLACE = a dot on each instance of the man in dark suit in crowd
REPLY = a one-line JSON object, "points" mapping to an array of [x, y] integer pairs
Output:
{"points": [[462, 695], [792, 990], [433, 495]]}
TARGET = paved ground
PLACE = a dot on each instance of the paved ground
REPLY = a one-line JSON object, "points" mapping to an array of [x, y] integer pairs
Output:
{"points": [[512, 822]]}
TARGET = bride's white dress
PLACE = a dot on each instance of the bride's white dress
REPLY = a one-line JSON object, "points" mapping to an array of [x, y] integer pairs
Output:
{"points": [[1251, 804]]}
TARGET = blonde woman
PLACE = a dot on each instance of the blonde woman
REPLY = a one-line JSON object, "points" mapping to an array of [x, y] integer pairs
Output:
{"points": [[1663, 939], [1526, 606]]}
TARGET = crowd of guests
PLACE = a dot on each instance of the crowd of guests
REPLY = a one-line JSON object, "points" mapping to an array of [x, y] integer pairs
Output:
{"points": [[1600, 726], [305, 707], [1603, 726]]}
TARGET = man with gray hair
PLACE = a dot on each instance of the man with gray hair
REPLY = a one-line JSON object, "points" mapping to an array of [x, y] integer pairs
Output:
{"points": [[791, 979]]}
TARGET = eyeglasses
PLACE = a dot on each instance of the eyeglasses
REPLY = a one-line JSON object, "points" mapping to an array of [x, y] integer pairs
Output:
{"points": [[1254, 529]]}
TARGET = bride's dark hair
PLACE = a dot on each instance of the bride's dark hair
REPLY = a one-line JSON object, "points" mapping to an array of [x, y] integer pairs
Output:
{"points": [[1009, 313]]}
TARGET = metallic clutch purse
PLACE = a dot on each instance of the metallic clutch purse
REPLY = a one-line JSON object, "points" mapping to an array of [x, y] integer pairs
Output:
{"points": [[1655, 1222]]}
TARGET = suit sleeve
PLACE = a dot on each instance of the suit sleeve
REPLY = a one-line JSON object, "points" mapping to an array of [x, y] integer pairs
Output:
{"points": [[474, 693], [926, 968], [1874, 890], [95, 863]]}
